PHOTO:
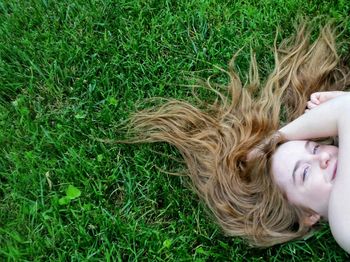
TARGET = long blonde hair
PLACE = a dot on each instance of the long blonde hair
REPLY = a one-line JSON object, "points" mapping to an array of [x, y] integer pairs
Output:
{"points": [[214, 139]]}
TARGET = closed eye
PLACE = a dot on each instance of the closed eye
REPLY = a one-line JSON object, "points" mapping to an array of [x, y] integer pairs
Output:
{"points": [[305, 172], [314, 151]]}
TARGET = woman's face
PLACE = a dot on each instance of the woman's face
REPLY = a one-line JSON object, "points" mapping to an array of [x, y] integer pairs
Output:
{"points": [[305, 171]]}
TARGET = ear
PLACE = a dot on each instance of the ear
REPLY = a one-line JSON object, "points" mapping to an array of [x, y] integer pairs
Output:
{"points": [[311, 219]]}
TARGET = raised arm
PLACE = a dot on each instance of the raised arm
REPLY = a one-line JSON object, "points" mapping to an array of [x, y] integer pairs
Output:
{"points": [[322, 121], [330, 119]]}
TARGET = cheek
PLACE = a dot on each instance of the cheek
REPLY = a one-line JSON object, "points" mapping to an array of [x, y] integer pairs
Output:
{"points": [[318, 190], [294, 196]]}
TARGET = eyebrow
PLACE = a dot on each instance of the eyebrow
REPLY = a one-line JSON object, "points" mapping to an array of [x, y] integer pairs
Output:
{"points": [[299, 162]]}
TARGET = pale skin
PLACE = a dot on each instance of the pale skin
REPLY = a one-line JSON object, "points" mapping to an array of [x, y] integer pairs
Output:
{"points": [[306, 171], [319, 98], [314, 175]]}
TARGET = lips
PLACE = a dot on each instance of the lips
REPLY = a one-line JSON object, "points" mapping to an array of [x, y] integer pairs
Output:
{"points": [[335, 171]]}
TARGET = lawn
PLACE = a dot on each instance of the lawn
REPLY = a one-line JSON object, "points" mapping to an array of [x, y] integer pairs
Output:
{"points": [[70, 73]]}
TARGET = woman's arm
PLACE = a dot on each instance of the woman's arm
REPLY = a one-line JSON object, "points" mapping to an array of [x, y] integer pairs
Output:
{"points": [[322, 121], [330, 119]]}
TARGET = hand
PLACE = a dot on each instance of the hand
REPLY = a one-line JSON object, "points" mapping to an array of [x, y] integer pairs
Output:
{"points": [[319, 98]]}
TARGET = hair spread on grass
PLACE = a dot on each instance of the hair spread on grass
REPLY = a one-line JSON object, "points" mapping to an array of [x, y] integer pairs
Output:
{"points": [[215, 138]]}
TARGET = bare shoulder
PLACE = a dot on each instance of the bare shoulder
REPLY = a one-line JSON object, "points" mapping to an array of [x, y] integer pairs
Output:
{"points": [[340, 227], [339, 207]]}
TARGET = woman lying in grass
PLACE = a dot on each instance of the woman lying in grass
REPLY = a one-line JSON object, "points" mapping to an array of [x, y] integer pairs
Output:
{"points": [[316, 175], [265, 183]]}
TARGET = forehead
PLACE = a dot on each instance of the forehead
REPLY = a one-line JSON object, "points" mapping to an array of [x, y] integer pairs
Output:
{"points": [[285, 157]]}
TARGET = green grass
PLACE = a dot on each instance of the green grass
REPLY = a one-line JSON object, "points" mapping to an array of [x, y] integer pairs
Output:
{"points": [[70, 71]]}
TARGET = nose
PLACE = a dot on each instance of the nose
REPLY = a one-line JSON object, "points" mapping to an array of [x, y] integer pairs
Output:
{"points": [[324, 158]]}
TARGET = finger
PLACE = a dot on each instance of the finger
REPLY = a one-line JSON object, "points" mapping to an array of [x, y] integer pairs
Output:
{"points": [[325, 97], [306, 110], [315, 98], [311, 105]]}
